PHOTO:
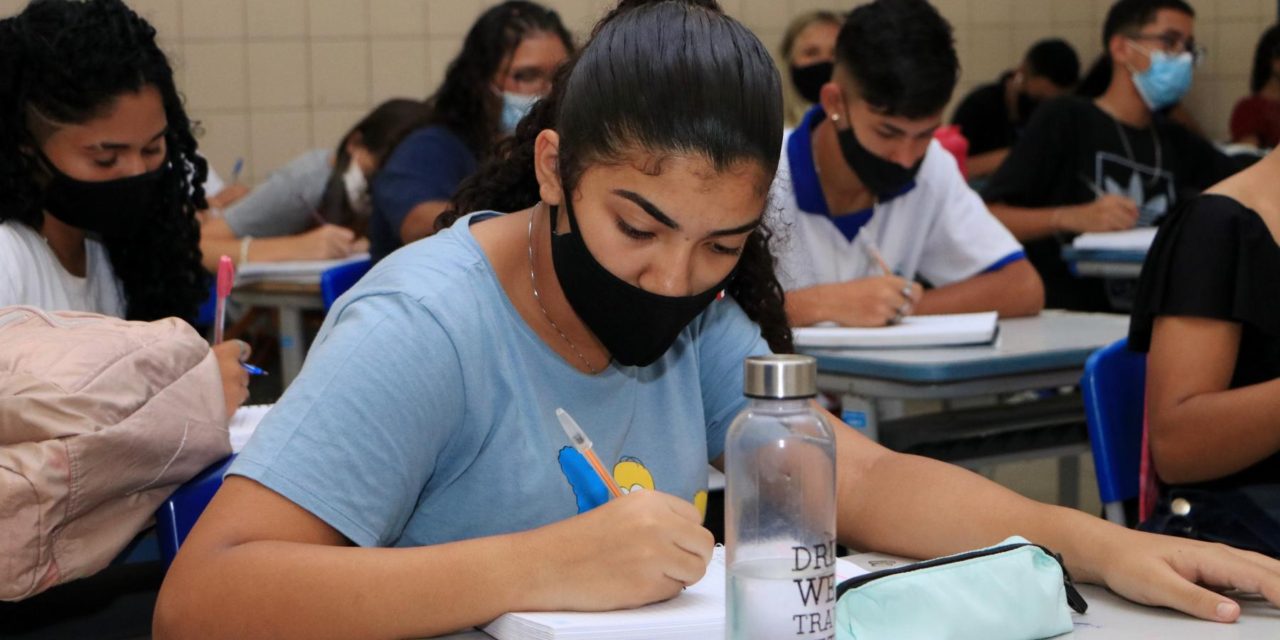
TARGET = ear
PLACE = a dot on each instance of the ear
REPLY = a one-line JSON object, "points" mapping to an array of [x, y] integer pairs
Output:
{"points": [[356, 139], [833, 103], [1124, 54], [546, 167]]}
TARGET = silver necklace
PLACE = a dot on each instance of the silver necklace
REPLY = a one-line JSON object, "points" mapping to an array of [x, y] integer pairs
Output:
{"points": [[533, 281], [1128, 150]]}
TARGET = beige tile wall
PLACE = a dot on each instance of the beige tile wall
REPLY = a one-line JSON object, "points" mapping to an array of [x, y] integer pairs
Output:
{"points": [[270, 78]]}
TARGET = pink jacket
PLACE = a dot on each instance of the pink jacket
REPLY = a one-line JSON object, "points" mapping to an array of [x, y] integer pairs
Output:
{"points": [[100, 420]]}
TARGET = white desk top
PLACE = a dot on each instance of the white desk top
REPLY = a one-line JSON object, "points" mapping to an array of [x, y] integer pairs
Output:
{"points": [[1111, 617], [1053, 340]]}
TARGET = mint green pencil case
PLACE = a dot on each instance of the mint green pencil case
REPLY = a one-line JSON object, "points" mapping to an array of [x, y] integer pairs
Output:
{"points": [[1012, 591]]}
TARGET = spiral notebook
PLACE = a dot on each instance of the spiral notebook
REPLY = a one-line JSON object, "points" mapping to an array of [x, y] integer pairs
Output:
{"points": [[914, 331], [698, 613]]}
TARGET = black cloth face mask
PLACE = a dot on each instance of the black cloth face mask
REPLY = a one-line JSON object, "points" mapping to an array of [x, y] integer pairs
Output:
{"points": [[636, 326], [110, 208], [808, 80], [883, 177]]}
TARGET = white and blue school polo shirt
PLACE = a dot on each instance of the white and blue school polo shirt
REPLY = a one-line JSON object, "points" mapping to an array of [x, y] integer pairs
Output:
{"points": [[937, 229]]}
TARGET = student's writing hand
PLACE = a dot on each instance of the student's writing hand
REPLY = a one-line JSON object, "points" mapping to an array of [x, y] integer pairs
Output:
{"points": [[235, 380], [643, 547], [1166, 571], [875, 301], [1108, 213], [327, 242]]}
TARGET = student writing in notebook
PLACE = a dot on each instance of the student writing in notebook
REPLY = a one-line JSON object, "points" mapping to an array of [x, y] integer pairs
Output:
{"points": [[1108, 163], [99, 176], [317, 206], [1207, 314], [415, 480], [862, 169], [505, 65]]}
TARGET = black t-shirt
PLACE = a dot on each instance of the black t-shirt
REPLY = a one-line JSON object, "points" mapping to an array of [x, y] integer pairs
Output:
{"points": [[1071, 150], [1215, 258], [983, 117]]}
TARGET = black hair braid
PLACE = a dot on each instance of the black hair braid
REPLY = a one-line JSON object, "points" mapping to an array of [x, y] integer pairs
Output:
{"points": [[506, 182], [67, 62]]}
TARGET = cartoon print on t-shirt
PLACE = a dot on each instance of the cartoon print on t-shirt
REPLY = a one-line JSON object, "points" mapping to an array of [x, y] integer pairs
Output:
{"points": [[630, 474], [1153, 190]]}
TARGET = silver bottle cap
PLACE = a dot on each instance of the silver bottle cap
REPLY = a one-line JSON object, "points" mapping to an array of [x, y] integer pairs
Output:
{"points": [[780, 377]]}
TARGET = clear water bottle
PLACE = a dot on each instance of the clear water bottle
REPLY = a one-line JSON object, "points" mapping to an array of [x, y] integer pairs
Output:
{"points": [[780, 498]]}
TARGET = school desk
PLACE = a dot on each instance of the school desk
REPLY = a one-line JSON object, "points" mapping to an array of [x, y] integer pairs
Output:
{"points": [[289, 300], [1109, 263], [1111, 617], [1035, 355]]}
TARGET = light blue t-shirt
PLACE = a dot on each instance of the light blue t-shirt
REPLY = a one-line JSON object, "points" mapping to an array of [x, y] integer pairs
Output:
{"points": [[426, 410]]}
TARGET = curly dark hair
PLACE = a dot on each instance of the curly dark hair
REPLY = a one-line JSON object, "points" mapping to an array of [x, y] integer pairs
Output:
{"points": [[716, 93], [67, 62], [465, 103]]}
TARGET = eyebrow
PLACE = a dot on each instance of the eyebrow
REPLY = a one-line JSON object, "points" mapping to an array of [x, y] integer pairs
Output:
{"points": [[666, 221], [118, 146], [923, 134]]}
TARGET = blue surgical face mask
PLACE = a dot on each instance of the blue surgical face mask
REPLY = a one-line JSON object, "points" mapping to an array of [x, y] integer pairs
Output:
{"points": [[515, 106], [1166, 81]]}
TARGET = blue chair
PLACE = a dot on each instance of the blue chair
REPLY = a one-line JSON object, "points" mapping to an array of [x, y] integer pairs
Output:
{"points": [[335, 282], [179, 513], [1114, 388]]}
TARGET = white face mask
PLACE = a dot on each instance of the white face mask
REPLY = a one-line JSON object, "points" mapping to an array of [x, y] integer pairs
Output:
{"points": [[357, 188]]}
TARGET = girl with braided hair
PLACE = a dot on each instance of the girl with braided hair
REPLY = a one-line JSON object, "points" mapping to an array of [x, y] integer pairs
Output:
{"points": [[99, 176], [414, 479]]}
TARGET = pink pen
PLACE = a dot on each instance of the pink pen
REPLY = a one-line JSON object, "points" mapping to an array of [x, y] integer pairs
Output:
{"points": [[226, 278]]}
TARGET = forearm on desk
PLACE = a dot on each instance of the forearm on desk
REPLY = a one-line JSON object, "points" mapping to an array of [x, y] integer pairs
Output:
{"points": [[1014, 291], [1027, 223], [275, 589], [921, 508]]}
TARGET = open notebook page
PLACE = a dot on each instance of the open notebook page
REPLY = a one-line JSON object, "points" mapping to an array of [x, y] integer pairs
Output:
{"points": [[244, 422], [1131, 240], [914, 331], [696, 614], [298, 271]]}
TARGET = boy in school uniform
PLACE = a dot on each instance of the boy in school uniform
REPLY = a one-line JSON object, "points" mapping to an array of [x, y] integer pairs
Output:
{"points": [[1110, 163], [861, 178]]}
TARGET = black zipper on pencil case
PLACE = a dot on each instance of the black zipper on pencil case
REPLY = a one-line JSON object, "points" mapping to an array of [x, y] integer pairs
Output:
{"points": [[1074, 599]]}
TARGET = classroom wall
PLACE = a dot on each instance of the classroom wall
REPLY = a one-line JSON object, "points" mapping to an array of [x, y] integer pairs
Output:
{"points": [[268, 79]]}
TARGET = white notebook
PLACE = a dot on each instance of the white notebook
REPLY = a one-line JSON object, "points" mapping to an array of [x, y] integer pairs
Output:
{"points": [[244, 422], [698, 613], [298, 271], [1132, 240], [914, 331]]}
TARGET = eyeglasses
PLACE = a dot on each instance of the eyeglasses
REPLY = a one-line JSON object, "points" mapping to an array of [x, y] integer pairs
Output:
{"points": [[1175, 44]]}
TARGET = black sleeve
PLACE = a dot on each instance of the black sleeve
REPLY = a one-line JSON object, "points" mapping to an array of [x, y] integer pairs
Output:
{"points": [[1196, 267], [1038, 159], [980, 123]]}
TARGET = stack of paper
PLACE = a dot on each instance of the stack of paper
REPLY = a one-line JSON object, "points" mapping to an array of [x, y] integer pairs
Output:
{"points": [[1138, 240], [698, 613], [914, 331], [297, 272]]}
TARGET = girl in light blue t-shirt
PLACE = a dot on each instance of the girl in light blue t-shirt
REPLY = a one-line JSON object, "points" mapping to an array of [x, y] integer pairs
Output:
{"points": [[413, 480]]}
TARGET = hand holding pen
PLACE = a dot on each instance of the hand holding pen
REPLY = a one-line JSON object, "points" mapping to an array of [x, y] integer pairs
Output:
{"points": [[897, 293], [1107, 212], [631, 551], [226, 280]]}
